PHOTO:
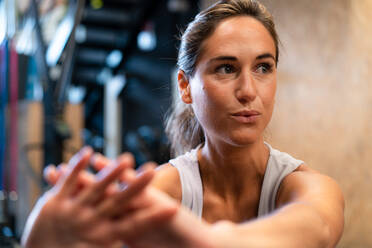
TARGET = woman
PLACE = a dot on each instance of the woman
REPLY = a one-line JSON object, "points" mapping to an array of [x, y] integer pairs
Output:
{"points": [[246, 193]]}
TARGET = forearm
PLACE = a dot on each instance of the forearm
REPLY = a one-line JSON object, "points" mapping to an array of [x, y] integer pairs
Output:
{"points": [[30, 239], [194, 231], [295, 225], [185, 230]]}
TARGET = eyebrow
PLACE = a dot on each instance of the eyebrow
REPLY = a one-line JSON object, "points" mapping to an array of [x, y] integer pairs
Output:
{"points": [[262, 56], [223, 58], [265, 55]]}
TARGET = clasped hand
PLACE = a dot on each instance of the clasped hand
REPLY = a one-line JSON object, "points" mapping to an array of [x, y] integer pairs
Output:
{"points": [[108, 209]]}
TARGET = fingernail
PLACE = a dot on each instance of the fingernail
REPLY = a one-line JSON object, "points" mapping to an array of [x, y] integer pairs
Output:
{"points": [[48, 169], [85, 150]]}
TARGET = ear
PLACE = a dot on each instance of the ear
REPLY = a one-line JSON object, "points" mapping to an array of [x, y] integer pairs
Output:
{"points": [[184, 87]]}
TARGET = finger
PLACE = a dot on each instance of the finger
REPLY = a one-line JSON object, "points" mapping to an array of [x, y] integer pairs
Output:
{"points": [[129, 158], [99, 161], [147, 166], [114, 205], [128, 176], [69, 181], [104, 178], [62, 169], [85, 178], [51, 174]]}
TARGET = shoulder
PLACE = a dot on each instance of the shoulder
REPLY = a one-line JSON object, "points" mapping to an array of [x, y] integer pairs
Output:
{"points": [[317, 191], [167, 179], [306, 181]]}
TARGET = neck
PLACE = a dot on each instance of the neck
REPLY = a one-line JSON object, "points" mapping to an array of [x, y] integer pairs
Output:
{"points": [[224, 165]]}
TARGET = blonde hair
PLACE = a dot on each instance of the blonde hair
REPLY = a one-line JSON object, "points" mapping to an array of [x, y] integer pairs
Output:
{"points": [[182, 127]]}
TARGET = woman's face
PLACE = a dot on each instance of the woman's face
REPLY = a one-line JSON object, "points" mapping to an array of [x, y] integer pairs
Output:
{"points": [[233, 88]]}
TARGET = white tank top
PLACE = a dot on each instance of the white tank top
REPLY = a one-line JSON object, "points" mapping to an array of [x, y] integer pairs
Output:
{"points": [[279, 165]]}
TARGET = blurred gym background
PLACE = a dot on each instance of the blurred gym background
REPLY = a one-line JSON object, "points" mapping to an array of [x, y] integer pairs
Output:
{"points": [[81, 72], [101, 73]]}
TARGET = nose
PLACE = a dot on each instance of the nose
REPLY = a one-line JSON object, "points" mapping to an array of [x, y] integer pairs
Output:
{"points": [[246, 90]]}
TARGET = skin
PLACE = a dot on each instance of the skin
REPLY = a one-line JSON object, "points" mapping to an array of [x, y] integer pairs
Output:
{"points": [[94, 206], [236, 71], [232, 76]]}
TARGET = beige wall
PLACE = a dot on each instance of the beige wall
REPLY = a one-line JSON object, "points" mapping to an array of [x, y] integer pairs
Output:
{"points": [[324, 99]]}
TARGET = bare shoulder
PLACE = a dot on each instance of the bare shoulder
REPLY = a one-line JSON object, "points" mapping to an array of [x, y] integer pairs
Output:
{"points": [[305, 181], [317, 191], [167, 179]]}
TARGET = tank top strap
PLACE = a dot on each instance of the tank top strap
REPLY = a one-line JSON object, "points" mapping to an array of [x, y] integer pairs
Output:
{"points": [[280, 164], [191, 183]]}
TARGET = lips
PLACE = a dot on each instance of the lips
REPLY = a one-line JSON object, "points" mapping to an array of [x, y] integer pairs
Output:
{"points": [[246, 116]]}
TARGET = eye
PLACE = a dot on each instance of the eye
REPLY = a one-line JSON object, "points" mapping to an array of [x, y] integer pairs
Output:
{"points": [[264, 68], [225, 69]]}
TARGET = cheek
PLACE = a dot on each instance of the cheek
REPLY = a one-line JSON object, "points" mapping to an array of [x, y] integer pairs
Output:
{"points": [[204, 93], [197, 95], [266, 93], [268, 97], [199, 100], [207, 101]]}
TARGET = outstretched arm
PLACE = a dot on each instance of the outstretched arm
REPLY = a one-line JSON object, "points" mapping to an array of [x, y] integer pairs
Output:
{"points": [[309, 214], [310, 208]]}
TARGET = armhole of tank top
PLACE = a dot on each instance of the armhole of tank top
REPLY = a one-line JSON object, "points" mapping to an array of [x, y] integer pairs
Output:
{"points": [[184, 200], [200, 194], [279, 183], [264, 196], [270, 189], [192, 192], [196, 189]]}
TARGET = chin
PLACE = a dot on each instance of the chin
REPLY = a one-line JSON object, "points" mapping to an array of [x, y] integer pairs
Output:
{"points": [[244, 139]]}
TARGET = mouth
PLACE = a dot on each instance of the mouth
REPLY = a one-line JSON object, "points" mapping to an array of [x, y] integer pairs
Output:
{"points": [[246, 116]]}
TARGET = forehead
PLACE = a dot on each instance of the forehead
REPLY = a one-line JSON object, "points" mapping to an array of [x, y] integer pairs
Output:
{"points": [[238, 36]]}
